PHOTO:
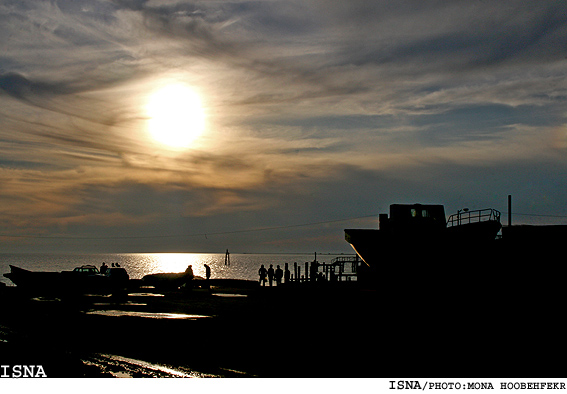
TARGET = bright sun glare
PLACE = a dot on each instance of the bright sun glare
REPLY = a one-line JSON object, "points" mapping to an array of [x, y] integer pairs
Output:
{"points": [[176, 116]]}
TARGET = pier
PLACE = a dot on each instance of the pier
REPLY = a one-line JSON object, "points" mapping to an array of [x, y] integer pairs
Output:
{"points": [[340, 269]]}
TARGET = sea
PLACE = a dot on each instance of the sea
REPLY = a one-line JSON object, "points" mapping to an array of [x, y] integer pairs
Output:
{"points": [[240, 266]]}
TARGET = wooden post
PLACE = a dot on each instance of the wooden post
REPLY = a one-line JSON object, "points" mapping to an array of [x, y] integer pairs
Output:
{"points": [[306, 271], [295, 272]]}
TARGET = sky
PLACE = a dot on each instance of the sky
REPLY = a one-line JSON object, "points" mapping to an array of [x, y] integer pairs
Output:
{"points": [[312, 116]]}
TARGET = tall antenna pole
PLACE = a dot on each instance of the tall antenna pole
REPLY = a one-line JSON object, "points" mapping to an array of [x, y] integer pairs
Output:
{"points": [[509, 210]]}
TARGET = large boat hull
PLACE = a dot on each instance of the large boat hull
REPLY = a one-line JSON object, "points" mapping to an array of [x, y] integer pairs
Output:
{"points": [[380, 247]]}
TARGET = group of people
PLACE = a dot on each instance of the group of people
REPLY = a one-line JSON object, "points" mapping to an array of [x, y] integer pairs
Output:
{"points": [[104, 267], [270, 275], [189, 271]]}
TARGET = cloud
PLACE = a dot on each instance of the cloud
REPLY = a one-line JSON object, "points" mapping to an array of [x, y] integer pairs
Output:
{"points": [[314, 110]]}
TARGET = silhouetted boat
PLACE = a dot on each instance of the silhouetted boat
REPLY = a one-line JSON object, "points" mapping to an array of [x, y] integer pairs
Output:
{"points": [[83, 279], [416, 232], [171, 280]]}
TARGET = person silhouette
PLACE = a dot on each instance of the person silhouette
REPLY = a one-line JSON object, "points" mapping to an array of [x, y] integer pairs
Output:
{"points": [[186, 279], [287, 274], [271, 274], [262, 272], [207, 272], [103, 268], [279, 275], [189, 272]]}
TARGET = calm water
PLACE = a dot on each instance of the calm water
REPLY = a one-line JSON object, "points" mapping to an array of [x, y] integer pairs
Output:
{"points": [[242, 266]]}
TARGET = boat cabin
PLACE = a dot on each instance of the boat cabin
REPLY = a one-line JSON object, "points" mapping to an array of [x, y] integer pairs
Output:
{"points": [[413, 217]]}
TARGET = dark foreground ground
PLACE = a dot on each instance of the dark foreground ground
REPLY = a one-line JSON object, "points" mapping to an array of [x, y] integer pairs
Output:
{"points": [[455, 330], [236, 332]]}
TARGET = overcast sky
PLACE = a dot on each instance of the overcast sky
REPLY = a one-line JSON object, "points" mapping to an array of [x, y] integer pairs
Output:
{"points": [[315, 111]]}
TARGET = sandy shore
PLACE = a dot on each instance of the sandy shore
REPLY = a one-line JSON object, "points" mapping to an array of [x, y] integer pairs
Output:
{"points": [[242, 331]]}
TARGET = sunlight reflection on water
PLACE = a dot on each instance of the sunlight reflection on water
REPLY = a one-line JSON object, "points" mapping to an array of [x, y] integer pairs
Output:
{"points": [[147, 315], [242, 266], [143, 264], [120, 366]]}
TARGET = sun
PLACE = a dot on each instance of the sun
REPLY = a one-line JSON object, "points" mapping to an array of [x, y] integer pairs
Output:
{"points": [[175, 116]]}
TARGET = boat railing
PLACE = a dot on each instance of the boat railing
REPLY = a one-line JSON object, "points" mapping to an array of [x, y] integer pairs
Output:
{"points": [[476, 216]]}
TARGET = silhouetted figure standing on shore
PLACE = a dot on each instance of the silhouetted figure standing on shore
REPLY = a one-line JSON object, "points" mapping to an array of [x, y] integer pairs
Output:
{"points": [[103, 268], [287, 274], [207, 272], [189, 277], [279, 275], [262, 272], [271, 274]]}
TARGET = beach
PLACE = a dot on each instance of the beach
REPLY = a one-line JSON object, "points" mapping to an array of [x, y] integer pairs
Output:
{"points": [[219, 332]]}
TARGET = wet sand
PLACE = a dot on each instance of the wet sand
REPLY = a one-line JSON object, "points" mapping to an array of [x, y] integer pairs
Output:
{"points": [[436, 328], [242, 331]]}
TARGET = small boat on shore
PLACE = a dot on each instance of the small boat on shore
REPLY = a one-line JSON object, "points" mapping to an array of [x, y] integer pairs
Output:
{"points": [[171, 280], [85, 278]]}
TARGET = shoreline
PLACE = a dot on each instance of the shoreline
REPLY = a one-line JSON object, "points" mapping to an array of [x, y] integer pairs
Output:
{"points": [[62, 335], [420, 325]]}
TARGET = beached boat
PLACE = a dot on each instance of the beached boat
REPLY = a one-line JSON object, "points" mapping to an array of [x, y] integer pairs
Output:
{"points": [[416, 232], [169, 279], [84, 279]]}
